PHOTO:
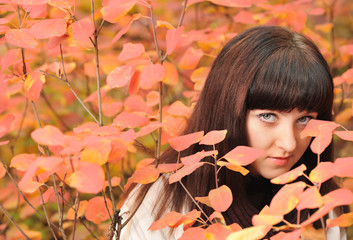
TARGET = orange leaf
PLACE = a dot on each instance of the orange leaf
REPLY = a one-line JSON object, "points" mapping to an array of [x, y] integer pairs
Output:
{"points": [[143, 175], [204, 200], [287, 198], [81, 30], [172, 75], [33, 85], [81, 209], [168, 220], [29, 2], [323, 132], [173, 38], [181, 143], [48, 136], [266, 219], [89, 178], [343, 167], [115, 10], [111, 109], [199, 77], [235, 168], [182, 172], [126, 27], [191, 58], [345, 220], [295, 235], [96, 209], [10, 58], [97, 151], [193, 233], [49, 28], [22, 161], [177, 108], [213, 137], [195, 158], [250, 233], [131, 50], [130, 120], [244, 17], [310, 198], [221, 198], [2, 171], [152, 74], [242, 155], [348, 76], [5, 124], [120, 76], [218, 231], [322, 172], [152, 98], [169, 167], [189, 219], [289, 176], [345, 135], [21, 38]]}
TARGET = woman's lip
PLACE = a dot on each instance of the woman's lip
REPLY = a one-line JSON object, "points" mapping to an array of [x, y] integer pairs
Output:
{"points": [[281, 161]]}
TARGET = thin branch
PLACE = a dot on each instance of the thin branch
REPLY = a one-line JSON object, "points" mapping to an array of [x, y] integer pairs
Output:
{"points": [[110, 187], [182, 13], [13, 143], [77, 206], [89, 230], [154, 34], [74, 93], [59, 209], [13, 222]]}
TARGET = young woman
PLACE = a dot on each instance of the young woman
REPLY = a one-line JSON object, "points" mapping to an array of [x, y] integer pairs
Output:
{"points": [[263, 87]]}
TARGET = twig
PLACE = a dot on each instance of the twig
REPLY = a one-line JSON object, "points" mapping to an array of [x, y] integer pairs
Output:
{"points": [[77, 206], [13, 222], [73, 91], [154, 34], [110, 187], [89, 230], [13, 143], [144, 148], [59, 210]]}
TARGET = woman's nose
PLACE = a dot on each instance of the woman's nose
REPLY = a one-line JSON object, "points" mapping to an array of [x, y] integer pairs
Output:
{"points": [[286, 139]]}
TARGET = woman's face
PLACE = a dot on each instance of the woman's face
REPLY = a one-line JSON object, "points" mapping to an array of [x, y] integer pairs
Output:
{"points": [[278, 134]]}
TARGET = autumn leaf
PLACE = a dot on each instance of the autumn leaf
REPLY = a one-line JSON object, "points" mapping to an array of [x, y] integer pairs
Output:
{"points": [[33, 85], [218, 232], [48, 28], [345, 135], [193, 233], [310, 198], [130, 120], [116, 9], [120, 76], [22, 161], [81, 30], [189, 219], [213, 137], [177, 108], [152, 74], [10, 58], [168, 220], [185, 170], [168, 167], [196, 157], [143, 175], [235, 168], [126, 27], [21, 38], [5, 124], [81, 210], [181, 143], [221, 198], [48, 136], [97, 209], [173, 38], [343, 167], [243, 155], [250, 233], [2, 171], [345, 220], [29, 2], [266, 219], [190, 58], [89, 178], [244, 17], [322, 172], [289, 176], [131, 50], [287, 198], [294, 235]]}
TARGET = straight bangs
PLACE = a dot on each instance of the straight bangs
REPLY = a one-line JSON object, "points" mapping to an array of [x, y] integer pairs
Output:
{"points": [[290, 78]]}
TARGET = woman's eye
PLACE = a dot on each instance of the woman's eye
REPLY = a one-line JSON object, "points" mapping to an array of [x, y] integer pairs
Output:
{"points": [[304, 120], [267, 117]]}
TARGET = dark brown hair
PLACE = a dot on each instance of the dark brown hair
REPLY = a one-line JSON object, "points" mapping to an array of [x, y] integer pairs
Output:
{"points": [[264, 67]]}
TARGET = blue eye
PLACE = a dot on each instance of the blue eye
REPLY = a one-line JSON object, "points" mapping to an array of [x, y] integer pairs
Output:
{"points": [[304, 120], [267, 117]]}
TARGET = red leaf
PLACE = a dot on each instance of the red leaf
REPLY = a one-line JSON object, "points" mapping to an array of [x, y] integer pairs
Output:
{"points": [[221, 198], [287, 198], [194, 158], [126, 27], [120, 76], [183, 142], [148, 129], [169, 167], [33, 85], [193, 233], [116, 9], [289, 176], [242, 155], [322, 172], [191, 58], [323, 132], [173, 38], [345, 135], [130, 120], [96, 209], [213, 137], [81, 30], [310, 198], [49, 28], [343, 167], [21, 38], [131, 50], [143, 175], [189, 219], [111, 109], [168, 220], [89, 178], [48, 136], [177, 108], [182, 172], [152, 74]]}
